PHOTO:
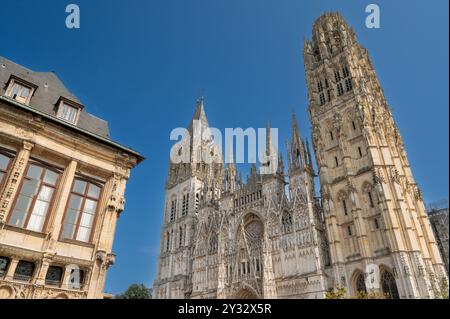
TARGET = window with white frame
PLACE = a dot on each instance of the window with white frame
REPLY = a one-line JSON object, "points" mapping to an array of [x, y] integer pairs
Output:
{"points": [[81, 210], [68, 113], [34, 198], [20, 92]]}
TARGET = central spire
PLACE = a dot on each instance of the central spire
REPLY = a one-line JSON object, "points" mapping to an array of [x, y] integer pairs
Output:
{"points": [[199, 115], [298, 154]]}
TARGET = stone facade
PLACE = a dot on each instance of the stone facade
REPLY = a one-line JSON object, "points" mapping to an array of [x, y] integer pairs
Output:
{"points": [[223, 238], [373, 208], [439, 223], [53, 242]]}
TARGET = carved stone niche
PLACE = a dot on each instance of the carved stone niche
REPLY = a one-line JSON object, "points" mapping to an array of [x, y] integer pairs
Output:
{"points": [[116, 203], [110, 259], [100, 256]]}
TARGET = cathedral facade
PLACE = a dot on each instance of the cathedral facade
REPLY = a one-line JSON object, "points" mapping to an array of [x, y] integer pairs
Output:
{"points": [[271, 236]]}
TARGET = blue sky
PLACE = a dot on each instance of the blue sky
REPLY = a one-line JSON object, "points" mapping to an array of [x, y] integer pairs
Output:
{"points": [[141, 64]]}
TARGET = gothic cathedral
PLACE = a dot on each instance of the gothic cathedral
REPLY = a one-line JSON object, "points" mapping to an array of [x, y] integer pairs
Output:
{"points": [[271, 236]]}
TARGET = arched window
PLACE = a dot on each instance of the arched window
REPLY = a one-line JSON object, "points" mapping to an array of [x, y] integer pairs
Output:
{"points": [[180, 238], [344, 207], [370, 198], [286, 220], [213, 243], [173, 210], [360, 283], [388, 285], [185, 206], [4, 263], [167, 241], [24, 271]]}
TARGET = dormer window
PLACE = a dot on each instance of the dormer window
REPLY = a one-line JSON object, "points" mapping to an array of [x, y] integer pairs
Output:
{"points": [[20, 90], [68, 111]]}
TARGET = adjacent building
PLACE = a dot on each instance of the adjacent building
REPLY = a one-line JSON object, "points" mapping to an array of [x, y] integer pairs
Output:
{"points": [[439, 223], [62, 184], [367, 232]]}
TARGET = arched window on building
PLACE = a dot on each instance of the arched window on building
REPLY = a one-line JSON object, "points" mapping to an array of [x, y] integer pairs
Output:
{"points": [[173, 210], [360, 283], [180, 238], [286, 221], [388, 285], [213, 243], [167, 241], [370, 198], [185, 206]]}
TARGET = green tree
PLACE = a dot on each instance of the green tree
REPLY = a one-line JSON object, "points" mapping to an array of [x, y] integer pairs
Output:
{"points": [[341, 293], [441, 289], [136, 291]]}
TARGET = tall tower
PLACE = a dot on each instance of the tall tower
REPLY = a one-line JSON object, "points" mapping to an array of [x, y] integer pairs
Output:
{"points": [[374, 212], [186, 185]]}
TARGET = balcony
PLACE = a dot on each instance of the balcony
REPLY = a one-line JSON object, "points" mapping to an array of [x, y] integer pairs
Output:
{"points": [[23, 278]]}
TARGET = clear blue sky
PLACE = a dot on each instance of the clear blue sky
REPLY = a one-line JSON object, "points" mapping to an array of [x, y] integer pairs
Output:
{"points": [[140, 65]]}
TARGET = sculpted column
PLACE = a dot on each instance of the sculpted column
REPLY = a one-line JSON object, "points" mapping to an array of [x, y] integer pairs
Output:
{"points": [[13, 181], [42, 270], [114, 204], [12, 268], [269, 287]]}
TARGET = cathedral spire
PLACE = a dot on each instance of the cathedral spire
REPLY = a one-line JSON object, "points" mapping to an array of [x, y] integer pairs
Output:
{"points": [[199, 115], [297, 154], [295, 129], [268, 139], [308, 154]]}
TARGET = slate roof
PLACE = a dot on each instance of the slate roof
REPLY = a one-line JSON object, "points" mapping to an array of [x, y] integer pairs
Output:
{"points": [[45, 98], [48, 92]]}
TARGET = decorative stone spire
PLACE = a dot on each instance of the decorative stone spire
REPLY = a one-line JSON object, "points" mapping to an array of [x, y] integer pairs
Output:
{"points": [[308, 154], [297, 154], [199, 114]]}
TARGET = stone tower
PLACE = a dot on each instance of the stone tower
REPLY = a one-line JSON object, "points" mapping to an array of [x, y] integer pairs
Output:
{"points": [[374, 212], [188, 183]]}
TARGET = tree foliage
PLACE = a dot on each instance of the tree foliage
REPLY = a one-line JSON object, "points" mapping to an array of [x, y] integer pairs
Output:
{"points": [[441, 290], [341, 293], [136, 291]]}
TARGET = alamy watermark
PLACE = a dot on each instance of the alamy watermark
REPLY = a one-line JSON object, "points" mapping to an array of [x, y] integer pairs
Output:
{"points": [[73, 19], [204, 145], [373, 19]]}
